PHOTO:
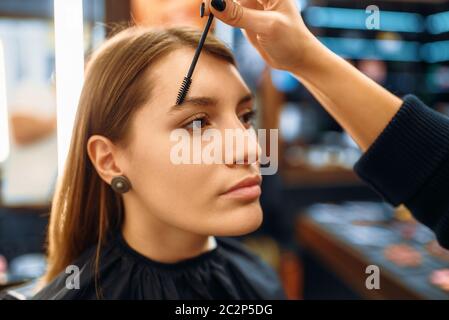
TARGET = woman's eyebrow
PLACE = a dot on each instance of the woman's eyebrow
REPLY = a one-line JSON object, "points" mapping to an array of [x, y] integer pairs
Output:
{"points": [[247, 98], [194, 101], [206, 102]]}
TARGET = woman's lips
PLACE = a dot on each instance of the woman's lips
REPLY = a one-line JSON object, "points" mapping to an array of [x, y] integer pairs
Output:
{"points": [[247, 189]]}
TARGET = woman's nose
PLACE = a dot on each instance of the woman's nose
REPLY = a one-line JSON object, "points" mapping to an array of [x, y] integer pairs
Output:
{"points": [[240, 143]]}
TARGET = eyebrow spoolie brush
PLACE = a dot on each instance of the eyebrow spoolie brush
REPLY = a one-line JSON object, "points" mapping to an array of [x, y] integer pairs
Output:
{"points": [[188, 78]]}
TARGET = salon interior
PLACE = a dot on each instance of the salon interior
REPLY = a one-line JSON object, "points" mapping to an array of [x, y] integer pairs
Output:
{"points": [[324, 231]]}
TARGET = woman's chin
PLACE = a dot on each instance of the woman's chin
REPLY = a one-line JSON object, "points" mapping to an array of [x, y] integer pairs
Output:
{"points": [[240, 221]]}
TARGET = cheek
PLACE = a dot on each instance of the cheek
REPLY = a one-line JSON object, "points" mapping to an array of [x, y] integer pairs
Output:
{"points": [[163, 185], [186, 196]]}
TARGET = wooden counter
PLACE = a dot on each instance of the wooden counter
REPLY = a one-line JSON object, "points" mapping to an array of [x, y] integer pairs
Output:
{"points": [[350, 264]]}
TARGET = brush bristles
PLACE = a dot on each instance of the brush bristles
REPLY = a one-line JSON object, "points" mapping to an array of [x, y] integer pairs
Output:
{"points": [[183, 90]]}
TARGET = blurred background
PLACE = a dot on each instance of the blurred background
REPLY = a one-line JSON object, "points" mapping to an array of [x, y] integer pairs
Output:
{"points": [[323, 227]]}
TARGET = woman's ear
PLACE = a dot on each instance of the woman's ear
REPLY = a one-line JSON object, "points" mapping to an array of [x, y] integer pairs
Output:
{"points": [[103, 154]]}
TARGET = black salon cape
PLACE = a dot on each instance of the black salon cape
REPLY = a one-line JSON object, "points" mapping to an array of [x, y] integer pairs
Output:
{"points": [[227, 272]]}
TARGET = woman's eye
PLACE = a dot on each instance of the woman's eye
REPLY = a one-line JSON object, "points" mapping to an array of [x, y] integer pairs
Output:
{"points": [[197, 122], [248, 117]]}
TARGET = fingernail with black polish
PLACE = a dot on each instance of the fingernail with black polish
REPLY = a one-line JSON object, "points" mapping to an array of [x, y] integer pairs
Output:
{"points": [[219, 5], [202, 9]]}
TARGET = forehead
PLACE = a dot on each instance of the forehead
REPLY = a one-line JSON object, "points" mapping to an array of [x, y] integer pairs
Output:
{"points": [[212, 77]]}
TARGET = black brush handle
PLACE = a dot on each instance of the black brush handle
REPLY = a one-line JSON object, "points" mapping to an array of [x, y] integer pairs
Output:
{"points": [[200, 46], [188, 78]]}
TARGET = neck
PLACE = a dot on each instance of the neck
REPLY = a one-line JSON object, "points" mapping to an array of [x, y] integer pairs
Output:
{"points": [[159, 241]]}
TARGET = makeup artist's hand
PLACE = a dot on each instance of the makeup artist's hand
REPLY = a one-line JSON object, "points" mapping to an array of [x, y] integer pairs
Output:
{"points": [[274, 27]]}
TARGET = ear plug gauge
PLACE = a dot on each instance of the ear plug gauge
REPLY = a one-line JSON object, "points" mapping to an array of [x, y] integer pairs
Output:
{"points": [[120, 184]]}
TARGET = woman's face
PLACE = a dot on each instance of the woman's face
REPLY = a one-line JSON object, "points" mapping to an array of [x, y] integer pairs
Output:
{"points": [[193, 197]]}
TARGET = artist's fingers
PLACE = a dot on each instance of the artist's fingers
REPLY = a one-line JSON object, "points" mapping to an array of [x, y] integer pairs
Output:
{"points": [[252, 38], [251, 4], [236, 14], [205, 8]]}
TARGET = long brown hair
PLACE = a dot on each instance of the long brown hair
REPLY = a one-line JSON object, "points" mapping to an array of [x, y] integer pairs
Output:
{"points": [[85, 210]]}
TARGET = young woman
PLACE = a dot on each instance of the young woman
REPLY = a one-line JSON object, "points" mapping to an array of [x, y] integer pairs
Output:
{"points": [[136, 225], [406, 143]]}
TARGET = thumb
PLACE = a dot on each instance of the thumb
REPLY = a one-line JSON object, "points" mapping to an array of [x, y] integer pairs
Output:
{"points": [[234, 14]]}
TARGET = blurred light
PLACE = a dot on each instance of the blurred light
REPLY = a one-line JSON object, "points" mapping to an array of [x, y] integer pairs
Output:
{"points": [[225, 33], [389, 50], [301, 4], [4, 128], [69, 69], [356, 19], [291, 122], [250, 63], [435, 51], [438, 23], [284, 81]]}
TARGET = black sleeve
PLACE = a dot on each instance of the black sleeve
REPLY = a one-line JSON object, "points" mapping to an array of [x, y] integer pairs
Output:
{"points": [[409, 164]]}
